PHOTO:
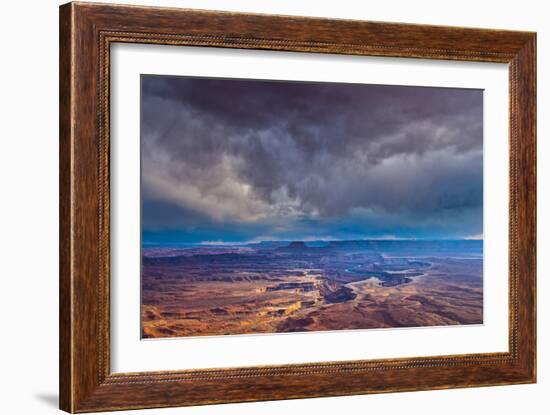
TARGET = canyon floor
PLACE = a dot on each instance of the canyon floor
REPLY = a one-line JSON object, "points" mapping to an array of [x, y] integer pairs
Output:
{"points": [[273, 287]]}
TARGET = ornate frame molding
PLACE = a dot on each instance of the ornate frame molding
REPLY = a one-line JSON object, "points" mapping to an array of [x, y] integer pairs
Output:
{"points": [[87, 31]]}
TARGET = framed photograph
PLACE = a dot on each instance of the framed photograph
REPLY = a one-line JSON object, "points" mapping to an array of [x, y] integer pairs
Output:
{"points": [[260, 207]]}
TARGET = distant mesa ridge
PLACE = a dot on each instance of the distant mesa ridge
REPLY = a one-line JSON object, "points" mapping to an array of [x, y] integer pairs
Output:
{"points": [[299, 247]]}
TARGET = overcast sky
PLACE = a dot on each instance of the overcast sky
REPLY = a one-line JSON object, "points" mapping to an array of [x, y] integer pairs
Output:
{"points": [[239, 160]]}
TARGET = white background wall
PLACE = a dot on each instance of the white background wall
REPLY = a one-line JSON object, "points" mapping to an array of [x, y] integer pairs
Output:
{"points": [[29, 207]]}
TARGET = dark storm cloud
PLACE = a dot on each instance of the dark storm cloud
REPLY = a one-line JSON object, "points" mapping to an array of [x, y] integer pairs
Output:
{"points": [[278, 157]]}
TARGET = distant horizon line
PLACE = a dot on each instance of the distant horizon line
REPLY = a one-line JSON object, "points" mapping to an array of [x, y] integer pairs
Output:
{"points": [[305, 241]]}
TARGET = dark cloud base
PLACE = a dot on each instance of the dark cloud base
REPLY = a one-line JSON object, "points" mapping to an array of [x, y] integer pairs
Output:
{"points": [[237, 160]]}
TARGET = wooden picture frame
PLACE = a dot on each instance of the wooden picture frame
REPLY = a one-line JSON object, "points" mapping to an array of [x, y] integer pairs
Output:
{"points": [[86, 33]]}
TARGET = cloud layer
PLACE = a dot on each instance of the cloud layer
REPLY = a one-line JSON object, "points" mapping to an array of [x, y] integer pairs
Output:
{"points": [[235, 160]]}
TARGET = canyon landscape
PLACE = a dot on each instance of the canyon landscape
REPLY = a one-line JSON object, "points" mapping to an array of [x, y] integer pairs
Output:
{"points": [[284, 206], [297, 286]]}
